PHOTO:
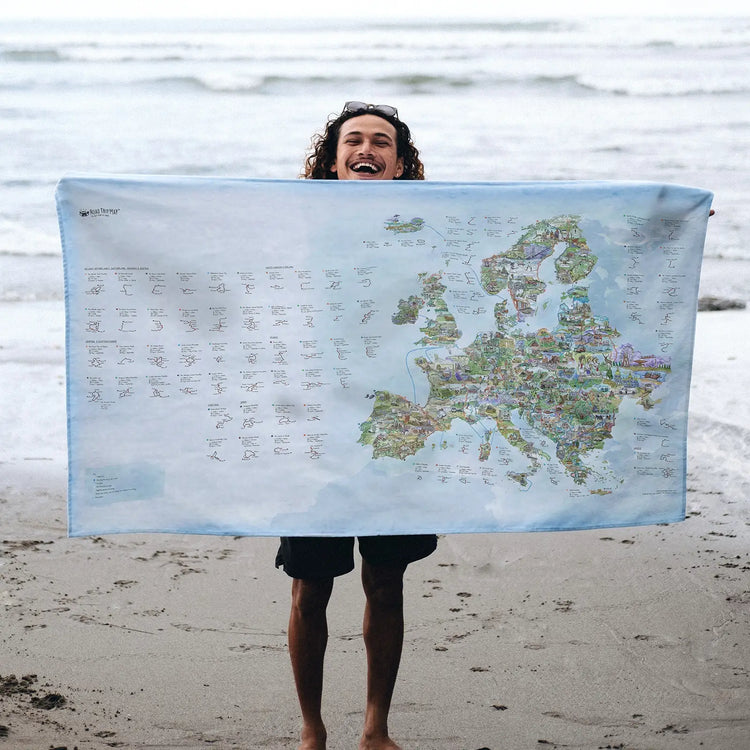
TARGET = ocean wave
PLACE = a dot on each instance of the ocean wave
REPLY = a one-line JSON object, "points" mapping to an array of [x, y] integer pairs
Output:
{"points": [[284, 52], [39, 253], [661, 43], [419, 83], [308, 40], [409, 77], [21, 182], [29, 295], [313, 56], [541, 25], [274, 84], [217, 84], [92, 53], [33, 54]]}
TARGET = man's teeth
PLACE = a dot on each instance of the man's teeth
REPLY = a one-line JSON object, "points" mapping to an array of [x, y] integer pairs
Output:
{"points": [[365, 166]]}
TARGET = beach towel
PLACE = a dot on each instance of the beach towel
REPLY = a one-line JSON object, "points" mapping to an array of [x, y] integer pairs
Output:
{"points": [[291, 357]]}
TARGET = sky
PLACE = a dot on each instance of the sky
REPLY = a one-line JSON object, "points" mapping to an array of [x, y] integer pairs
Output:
{"points": [[350, 9]]}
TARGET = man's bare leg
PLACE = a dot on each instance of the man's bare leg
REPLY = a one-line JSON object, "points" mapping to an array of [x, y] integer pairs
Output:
{"points": [[308, 637], [383, 630]]}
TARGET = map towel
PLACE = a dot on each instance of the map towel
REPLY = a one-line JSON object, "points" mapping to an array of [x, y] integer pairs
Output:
{"points": [[291, 357]]}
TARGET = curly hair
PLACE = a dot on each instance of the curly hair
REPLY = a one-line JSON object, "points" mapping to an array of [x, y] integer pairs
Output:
{"points": [[323, 146]]}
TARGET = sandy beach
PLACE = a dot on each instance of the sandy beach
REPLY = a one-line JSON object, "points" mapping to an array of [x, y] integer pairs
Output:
{"points": [[627, 638]]}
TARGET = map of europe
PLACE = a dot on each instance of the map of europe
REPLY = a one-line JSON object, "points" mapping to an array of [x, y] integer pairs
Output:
{"points": [[567, 382], [315, 358]]}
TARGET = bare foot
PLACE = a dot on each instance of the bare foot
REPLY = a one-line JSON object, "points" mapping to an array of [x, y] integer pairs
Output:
{"points": [[378, 743], [313, 738]]}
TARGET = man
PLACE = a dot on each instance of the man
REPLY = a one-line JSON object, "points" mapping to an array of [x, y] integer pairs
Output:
{"points": [[364, 142]]}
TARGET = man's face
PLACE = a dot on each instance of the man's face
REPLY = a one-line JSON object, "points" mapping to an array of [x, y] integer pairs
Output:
{"points": [[367, 150]]}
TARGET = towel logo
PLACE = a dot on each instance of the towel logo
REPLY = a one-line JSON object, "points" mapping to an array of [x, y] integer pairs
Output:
{"points": [[86, 212]]}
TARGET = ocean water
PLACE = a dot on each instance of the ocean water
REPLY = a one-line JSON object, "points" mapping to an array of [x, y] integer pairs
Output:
{"points": [[665, 100]]}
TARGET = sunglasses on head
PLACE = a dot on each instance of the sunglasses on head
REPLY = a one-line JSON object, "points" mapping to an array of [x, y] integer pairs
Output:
{"points": [[383, 109]]}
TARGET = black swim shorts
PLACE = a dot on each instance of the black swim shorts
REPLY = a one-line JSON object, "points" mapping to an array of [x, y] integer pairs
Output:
{"points": [[327, 557]]}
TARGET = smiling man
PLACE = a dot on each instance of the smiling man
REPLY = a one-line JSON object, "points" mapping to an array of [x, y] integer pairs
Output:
{"points": [[367, 150], [364, 142]]}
